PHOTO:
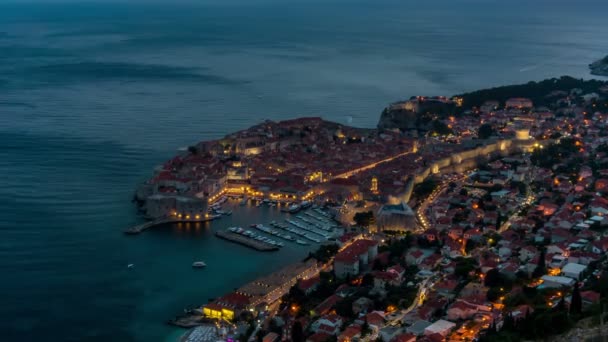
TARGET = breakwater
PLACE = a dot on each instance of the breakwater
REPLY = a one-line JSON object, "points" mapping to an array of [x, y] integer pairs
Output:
{"points": [[147, 225], [245, 241]]}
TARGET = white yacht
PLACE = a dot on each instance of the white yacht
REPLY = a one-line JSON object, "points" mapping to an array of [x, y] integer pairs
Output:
{"points": [[199, 264]]}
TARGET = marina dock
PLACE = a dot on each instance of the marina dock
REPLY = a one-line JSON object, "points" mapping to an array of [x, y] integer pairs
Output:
{"points": [[245, 241]]}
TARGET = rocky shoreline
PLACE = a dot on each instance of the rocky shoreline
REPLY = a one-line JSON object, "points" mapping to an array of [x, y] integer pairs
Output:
{"points": [[599, 67]]}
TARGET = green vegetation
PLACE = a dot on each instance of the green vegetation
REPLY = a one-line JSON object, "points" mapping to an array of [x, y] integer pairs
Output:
{"points": [[245, 337], [536, 91], [193, 149], [440, 128], [327, 285], [485, 131], [425, 188], [533, 326], [541, 268], [546, 319], [495, 279], [397, 247], [365, 329], [555, 153], [576, 304], [365, 219], [399, 296], [297, 333], [324, 252], [464, 266], [344, 308]]}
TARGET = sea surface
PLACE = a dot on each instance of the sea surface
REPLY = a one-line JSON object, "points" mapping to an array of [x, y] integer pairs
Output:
{"points": [[94, 95]]}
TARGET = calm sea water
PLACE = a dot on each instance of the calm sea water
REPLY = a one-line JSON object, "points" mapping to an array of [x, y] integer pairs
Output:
{"points": [[92, 96]]}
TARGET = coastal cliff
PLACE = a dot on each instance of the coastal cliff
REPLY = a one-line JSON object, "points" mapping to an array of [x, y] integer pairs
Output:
{"points": [[417, 113], [397, 118], [600, 67]]}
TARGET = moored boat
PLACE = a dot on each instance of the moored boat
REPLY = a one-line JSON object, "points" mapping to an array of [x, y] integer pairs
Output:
{"points": [[199, 264]]}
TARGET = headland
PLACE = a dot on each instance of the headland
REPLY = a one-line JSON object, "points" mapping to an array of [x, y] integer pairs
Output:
{"points": [[599, 67], [496, 178]]}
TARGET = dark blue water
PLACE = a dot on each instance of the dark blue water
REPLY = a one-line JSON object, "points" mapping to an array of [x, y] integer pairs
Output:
{"points": [[93, 96]]}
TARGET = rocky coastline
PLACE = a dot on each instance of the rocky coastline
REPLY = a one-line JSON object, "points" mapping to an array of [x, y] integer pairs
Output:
{"points": [[599, 67]]}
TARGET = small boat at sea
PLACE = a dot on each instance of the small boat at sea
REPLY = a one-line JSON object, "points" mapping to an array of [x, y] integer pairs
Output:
{"points": [[199, 264], [130, 265]]}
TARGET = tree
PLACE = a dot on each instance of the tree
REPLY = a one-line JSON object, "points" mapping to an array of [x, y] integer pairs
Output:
{"points": [[324, 253], [601, 285], [541, 268], [499, 220], [260, 335], [440, 128], [296, 295], [377, 266], [523, 188], [274, 327], [248, 333], [493, 278], [344, 308], [493, 294], [561, 305], [425, 188], [367, 280], [509, 322], [297, 333], [364, 219], [493, 329], [365, 330], [193, 149], [464, 266], [576, 304], [470, 245], [485, 131]]}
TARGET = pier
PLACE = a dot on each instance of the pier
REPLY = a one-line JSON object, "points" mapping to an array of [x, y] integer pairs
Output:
{"points": [[245, 241], [141, 227]]}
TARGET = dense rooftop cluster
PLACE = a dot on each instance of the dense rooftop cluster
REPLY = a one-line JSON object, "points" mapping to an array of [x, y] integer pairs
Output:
{"points": [[507, 239], [507, 250]]}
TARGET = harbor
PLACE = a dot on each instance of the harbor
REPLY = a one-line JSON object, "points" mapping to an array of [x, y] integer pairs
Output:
{"points": [[301, 223], [192, 241], [316, 228]]}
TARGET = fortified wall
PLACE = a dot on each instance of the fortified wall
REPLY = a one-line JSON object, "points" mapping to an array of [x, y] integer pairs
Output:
{"points": [[466, 160]]}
